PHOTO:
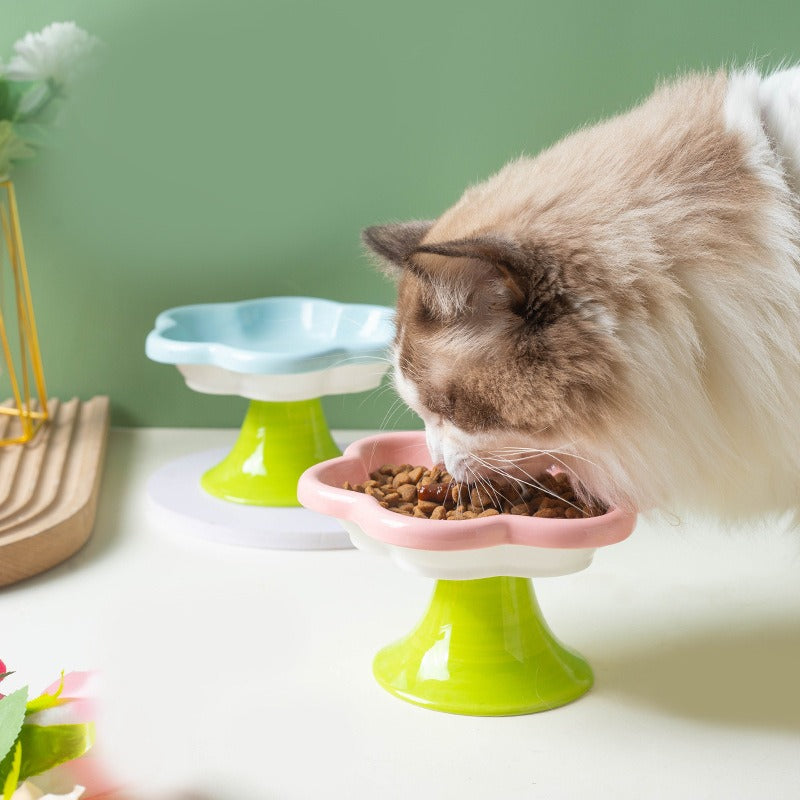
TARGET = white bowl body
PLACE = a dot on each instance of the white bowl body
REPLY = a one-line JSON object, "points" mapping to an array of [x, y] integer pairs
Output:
{"points": [[211, 379], [512, 560]]}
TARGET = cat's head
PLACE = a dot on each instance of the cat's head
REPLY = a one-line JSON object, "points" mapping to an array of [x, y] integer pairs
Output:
{"points": [[504, 346]]}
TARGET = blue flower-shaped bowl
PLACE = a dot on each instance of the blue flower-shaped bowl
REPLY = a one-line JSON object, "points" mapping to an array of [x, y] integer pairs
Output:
{"points": [[275, 348]]}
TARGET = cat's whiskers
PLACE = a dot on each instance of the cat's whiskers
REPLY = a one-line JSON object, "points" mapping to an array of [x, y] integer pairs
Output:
{"points": [[393, 408], [489, 487], [478, 481], [485, 484], [528, 452], [563, 464], [362, 360], [539, 453], [376, 393], [410, 370], [493, 490], [396, 409], [549, 453], [535, 484]]}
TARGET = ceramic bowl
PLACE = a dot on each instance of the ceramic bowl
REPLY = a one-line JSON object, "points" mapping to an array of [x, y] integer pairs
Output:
{"points": [[275, 348], [501, 545]]}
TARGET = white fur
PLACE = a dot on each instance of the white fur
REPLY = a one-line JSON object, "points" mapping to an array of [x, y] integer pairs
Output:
{"points": [[715, 390], [731, 370], [723, 407], [779, 100]]}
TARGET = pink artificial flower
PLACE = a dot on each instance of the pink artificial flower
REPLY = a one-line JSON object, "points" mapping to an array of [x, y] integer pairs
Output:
{"points": [[77, 700], [3, 672], [77, 705]]}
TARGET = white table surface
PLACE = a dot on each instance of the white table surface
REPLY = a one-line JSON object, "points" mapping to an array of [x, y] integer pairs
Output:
{"points": [[247, 674]]}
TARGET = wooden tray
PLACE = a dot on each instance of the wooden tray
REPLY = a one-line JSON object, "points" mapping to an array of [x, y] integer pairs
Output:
{"points": [[49, 487]]}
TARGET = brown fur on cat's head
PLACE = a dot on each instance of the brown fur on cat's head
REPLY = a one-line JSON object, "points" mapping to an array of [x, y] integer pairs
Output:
{"points": [[496, 334], [551, 305]]}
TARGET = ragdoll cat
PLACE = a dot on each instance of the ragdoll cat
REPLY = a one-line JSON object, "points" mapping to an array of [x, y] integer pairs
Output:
{"points": [[628, 302]]}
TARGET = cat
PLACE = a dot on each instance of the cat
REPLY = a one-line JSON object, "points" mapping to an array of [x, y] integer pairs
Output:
{"points": [[625, 305]]}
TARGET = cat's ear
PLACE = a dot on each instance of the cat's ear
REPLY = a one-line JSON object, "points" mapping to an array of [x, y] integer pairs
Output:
{"points": [[394, 243], [497, 264]]}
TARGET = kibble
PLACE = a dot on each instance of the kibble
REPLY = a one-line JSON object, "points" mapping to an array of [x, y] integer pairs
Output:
{"points": [[433, 494]]}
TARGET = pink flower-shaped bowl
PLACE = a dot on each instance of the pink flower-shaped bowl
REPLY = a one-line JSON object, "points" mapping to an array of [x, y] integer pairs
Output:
{"points": [[501, 545]]}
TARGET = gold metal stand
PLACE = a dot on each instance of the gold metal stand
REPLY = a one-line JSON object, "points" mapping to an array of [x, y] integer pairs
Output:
{"points": [[18, 338]]}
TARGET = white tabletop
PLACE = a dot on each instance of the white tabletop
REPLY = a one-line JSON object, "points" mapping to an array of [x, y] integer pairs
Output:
{"points": [[247, 673]]}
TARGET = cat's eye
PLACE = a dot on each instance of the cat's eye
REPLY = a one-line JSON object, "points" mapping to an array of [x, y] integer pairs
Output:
{"points": [[424, 314], [439, 407], [448, 406]]}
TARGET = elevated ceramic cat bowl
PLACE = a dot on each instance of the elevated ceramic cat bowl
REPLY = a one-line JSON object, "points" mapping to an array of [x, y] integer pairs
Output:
{"points": [[283, 354], [482, 647]]}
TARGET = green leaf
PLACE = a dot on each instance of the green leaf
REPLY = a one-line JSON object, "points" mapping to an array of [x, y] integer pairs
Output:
{"points": [[47, 746], [12, 779], [12, 715], [11, 94], [6, 674], [45, 701]]}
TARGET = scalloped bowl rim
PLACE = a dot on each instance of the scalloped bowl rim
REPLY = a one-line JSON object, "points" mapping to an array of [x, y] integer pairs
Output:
{"points": [[319, 490], [217, 352]]}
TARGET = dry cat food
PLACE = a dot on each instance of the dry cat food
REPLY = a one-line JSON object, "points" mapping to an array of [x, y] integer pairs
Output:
{"points": [[433, 494]]}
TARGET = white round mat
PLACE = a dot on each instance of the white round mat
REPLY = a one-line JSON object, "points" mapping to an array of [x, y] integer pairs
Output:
{"points": [[179, 503]]}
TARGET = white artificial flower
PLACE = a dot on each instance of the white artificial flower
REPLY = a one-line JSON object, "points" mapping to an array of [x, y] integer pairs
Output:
{"points": [[28, 790], [54, 53]]}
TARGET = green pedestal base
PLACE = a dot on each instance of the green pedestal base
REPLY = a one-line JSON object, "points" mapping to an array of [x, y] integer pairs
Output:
{"points": [[484, 649], [277, 443]]}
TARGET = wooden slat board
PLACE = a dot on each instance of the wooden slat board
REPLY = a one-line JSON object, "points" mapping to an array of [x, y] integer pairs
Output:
{"points": [[11, 458], [21, 468], [49, 488]]}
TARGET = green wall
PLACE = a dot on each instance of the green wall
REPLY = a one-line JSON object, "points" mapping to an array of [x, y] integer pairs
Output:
{"points": [[229, 150]]}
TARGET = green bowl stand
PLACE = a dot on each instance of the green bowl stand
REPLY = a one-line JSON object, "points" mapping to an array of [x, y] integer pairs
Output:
{"points": [[483, 649], [276, 444]]}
